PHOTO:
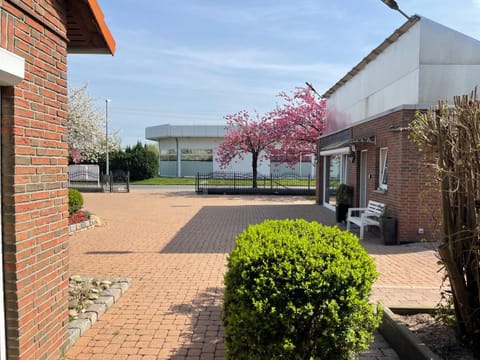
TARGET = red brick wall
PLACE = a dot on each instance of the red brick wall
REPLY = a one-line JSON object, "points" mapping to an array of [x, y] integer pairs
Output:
{"points": [[414, 204], [412, 196], [34, 181]]}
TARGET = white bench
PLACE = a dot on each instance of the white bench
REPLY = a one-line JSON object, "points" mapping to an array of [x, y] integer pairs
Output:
{"points": [[369, 216]]}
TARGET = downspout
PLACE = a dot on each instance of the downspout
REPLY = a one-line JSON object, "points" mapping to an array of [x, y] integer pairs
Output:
{"points": [[179, 159], [159, 157]]}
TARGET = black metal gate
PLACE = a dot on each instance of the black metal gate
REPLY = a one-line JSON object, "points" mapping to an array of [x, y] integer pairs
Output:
{"points": [[117, 181]]}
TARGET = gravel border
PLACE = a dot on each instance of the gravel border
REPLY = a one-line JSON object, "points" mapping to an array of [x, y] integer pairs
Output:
{"points": [[78, 327]]}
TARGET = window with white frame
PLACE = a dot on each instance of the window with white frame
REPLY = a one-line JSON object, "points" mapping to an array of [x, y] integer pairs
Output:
{"points": [[383, 169]]}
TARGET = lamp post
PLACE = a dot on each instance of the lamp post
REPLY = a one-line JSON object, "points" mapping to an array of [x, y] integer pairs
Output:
{"points": [[107, 171], [313, 89], [392, 4]]}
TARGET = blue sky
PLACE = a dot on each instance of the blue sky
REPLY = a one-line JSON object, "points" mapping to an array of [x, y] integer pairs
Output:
{"points": [[195, 61]]}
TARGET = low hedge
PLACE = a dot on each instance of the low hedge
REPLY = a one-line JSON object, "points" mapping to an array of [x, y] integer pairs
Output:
{"points": [[298, 290], [75, 201]]}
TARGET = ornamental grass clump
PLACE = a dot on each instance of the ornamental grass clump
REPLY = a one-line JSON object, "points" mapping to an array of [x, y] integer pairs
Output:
{"points": [[298, 290]]}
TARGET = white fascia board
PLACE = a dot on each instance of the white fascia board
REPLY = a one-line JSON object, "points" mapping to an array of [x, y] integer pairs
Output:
{"points": [[12, 68]]}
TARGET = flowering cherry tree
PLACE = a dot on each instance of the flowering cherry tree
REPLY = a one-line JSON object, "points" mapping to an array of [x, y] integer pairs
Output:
{"points": [[298, 124], [247, 135], [85, 123]]}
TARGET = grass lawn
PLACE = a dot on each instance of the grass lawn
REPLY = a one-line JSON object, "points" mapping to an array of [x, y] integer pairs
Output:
{"points": [[217, 182], [165, 181]]}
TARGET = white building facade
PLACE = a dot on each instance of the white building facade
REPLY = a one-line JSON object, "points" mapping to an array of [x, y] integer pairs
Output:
{"points": [[186, 150]]}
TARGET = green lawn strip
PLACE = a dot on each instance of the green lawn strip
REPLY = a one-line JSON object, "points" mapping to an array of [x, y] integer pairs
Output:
{"points": [[165, 181], [217, 182]]}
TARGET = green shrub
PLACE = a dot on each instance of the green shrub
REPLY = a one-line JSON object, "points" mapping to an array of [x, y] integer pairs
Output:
{"points": [[75, 200], [298, 290]]}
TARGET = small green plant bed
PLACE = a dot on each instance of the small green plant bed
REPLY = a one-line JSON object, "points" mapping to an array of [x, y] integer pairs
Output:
{"points": [[75, 201], [298, 290], [165, 181]]}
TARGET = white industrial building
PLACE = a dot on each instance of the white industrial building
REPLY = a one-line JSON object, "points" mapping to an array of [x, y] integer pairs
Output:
{"points": [[186, 150]]}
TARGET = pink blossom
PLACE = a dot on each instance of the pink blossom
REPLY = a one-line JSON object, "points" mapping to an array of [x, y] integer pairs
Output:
{"points": [[75, 155], [298, 124]]}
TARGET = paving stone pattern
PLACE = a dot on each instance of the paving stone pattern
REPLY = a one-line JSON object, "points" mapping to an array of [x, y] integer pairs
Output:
{"points": [[174, 244]]}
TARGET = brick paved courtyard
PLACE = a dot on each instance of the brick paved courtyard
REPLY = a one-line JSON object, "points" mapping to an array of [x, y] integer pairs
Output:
{"points": [[173, 244]]}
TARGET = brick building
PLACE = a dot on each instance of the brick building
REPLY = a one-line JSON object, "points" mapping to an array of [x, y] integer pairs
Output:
{"points": [[35, 38], [367, 144]]}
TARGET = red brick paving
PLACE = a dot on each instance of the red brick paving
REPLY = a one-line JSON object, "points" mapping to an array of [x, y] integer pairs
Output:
{"points": [[174, 246]]}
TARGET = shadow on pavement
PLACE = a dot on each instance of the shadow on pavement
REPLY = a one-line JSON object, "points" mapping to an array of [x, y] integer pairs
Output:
{"points": [[214, 228], [205, 335]]}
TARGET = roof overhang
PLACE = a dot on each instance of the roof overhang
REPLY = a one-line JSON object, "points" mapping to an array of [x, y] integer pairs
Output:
{"points": [[155, 133], [87, 31], [345, 146]]}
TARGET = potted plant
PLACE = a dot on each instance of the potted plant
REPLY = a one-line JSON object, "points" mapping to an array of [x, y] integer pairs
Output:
{"points": [[344, 197], [388, 227]]}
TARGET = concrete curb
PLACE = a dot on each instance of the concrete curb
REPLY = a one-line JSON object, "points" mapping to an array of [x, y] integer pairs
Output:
{"points": [[402, 340], [78, 327], [83, 225]]}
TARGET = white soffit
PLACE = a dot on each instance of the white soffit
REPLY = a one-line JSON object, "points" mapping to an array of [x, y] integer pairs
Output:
{"points": [[12, 68]]}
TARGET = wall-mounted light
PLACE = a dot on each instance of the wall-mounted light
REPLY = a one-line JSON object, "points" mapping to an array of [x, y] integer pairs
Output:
{"points": [[351, 154]]}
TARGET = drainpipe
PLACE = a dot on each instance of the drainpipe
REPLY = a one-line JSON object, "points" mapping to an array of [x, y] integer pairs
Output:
{"points": [[159, 152], [179, 159]]}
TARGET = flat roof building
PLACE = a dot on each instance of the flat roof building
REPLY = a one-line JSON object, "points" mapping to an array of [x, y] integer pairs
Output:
{"points": [[186, 150]]}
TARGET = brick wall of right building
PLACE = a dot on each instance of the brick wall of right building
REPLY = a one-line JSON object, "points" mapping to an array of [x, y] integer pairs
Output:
{"points": [[409, 198]]}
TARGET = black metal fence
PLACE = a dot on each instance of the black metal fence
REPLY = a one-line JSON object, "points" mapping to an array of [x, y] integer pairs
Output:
{"points": [[243, 183], [117, 181]]}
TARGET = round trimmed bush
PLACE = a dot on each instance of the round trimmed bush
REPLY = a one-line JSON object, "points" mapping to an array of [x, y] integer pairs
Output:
{"points": [[298, 290], [75, 201]]}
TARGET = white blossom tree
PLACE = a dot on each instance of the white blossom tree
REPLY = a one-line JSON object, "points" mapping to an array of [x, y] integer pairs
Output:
{"points": [[86, 124]]}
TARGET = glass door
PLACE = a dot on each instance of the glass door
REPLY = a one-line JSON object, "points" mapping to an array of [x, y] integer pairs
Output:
{"points": [[335, 170]]}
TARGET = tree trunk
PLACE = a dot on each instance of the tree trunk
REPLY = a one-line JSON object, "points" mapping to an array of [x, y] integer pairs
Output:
{"points": [[254, 169]]}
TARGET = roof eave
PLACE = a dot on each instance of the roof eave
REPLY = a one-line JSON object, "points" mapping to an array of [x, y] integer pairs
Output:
{"points": [[104, 30], [107, 44]]}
